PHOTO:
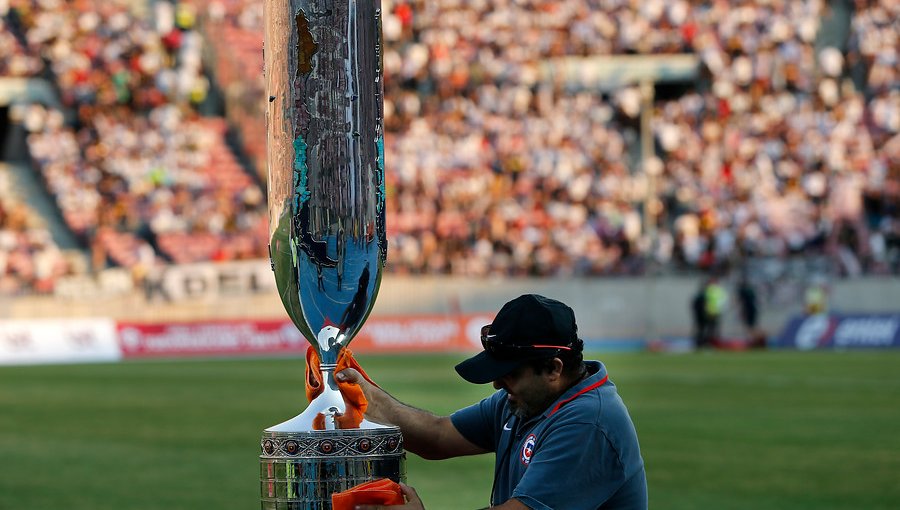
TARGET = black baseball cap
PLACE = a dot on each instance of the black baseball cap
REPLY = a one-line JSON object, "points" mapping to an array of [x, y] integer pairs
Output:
{"points": [[527, 328]]}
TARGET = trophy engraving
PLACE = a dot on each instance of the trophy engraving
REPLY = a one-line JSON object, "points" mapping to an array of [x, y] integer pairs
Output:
{"points": [[325, 145]]}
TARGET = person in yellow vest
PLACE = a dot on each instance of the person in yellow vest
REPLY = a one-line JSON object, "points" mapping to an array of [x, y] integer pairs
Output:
{"points": [[716, 299], [815, 299]]}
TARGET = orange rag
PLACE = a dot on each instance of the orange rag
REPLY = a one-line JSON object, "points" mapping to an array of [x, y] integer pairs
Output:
{"points": [[354, 398], [383, 491]]}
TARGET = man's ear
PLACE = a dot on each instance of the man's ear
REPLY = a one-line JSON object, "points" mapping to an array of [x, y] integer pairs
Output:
{"points": [[556, 369]]}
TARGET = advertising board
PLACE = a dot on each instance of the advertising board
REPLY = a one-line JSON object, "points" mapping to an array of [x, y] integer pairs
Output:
{"points": [[27, 342], [841, 331], [419, 333]]}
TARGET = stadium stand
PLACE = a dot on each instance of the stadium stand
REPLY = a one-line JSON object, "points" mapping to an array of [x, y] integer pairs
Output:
{"points": [[30, 261], [778, 151], [15, 60], [784, 148], [139, 175]]}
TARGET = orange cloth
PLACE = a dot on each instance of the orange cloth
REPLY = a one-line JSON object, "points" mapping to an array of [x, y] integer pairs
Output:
{"points": [[383, 491], [353, 396]]}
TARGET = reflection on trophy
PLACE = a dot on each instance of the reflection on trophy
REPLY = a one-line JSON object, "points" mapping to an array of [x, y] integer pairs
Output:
{"points": [[327, 234]]}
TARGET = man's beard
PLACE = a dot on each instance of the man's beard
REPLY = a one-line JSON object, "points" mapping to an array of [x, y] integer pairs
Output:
{"points": [[519, 412], [525, 410]]}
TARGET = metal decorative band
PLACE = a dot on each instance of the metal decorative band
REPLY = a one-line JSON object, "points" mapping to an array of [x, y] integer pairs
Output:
{"points": [[307, 484], [337, 443]]}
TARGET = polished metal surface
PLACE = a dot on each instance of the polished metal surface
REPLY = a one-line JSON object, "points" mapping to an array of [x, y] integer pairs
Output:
{"points": [[301, 470], [325, 142]]}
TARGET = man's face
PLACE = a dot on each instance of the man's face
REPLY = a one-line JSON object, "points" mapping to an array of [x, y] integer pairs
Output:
{"points": [[528, 392]]}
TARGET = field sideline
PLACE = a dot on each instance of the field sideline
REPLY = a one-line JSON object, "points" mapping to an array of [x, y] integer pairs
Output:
{"points": [[750, 430]]}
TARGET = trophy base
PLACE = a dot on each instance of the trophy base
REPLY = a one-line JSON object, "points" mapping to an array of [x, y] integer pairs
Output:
{"points": [[301, 470]]}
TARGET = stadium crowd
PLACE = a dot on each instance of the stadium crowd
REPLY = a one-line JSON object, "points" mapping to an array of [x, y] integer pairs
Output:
{"points": [[139, 175], [15, 60], [30, 260], [781, 147]]}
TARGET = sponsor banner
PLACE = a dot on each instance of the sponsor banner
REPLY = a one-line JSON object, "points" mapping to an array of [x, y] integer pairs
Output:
{"points": [[422, 333], [383, 334], [105, 284], [209, 338], [209, 281], [841, 331], [28, 342]]}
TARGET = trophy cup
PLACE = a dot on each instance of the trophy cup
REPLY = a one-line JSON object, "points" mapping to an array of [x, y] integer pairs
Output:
{"points": [[325, 145]]}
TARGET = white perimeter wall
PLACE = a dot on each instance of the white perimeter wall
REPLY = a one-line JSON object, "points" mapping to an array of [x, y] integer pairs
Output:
{"points": [[605, 308]]}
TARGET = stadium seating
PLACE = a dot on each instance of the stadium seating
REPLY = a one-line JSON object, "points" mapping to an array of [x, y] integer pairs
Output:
{"points": [[30, 260], [784, 147], [771, 156], [139, 176]]}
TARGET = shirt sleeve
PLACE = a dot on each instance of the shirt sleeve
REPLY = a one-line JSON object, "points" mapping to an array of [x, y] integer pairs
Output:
{"points": [[573, 467], [478, 422]]}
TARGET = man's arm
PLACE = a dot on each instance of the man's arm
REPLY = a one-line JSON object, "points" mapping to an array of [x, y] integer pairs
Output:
{"points": [[413, 502], [425, 434], [512, 504]]}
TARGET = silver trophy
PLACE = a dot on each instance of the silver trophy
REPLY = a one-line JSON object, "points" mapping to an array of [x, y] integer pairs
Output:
{"points": [[325, 143]]}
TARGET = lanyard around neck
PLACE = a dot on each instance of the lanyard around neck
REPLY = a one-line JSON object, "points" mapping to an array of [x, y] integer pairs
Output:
{"points": [[505, 457], [584, 390]]}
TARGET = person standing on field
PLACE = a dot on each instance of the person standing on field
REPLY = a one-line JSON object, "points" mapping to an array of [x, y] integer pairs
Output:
{"points": [[749, 309], [698, 316], [716, 299], [561, 435]]}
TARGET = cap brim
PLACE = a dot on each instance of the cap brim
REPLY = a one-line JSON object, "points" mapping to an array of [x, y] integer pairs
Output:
{"points": [[484, 368]]}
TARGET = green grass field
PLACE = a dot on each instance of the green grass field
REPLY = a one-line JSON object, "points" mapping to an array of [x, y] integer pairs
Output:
{"points": [[769, 430]]}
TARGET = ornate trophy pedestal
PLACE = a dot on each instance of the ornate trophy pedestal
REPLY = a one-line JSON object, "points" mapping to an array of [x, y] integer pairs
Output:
{"points": [[301, 470]]}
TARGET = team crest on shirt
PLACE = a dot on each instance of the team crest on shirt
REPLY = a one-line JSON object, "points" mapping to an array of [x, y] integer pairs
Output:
{"points": [[528, 449]]}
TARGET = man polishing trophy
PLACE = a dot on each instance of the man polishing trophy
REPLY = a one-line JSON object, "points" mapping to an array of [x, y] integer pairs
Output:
{"points": [[325, 143]]}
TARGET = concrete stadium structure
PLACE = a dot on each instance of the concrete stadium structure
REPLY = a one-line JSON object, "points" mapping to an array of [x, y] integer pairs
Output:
{"points": [[645, 308]]}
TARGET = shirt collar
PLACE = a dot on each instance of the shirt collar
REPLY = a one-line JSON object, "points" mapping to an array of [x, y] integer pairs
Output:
{"points": [[596, 374]]}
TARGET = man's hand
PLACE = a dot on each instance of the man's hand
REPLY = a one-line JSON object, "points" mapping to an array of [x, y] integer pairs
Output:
{"points": [[350, 375], [412, 501], [375, 397]]}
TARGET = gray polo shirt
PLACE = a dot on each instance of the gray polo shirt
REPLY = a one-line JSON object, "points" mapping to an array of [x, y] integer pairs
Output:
{"points": [[581, 453]]}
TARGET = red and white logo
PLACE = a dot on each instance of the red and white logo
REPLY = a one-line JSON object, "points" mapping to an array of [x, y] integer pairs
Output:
{"points": [[528, 449]]}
